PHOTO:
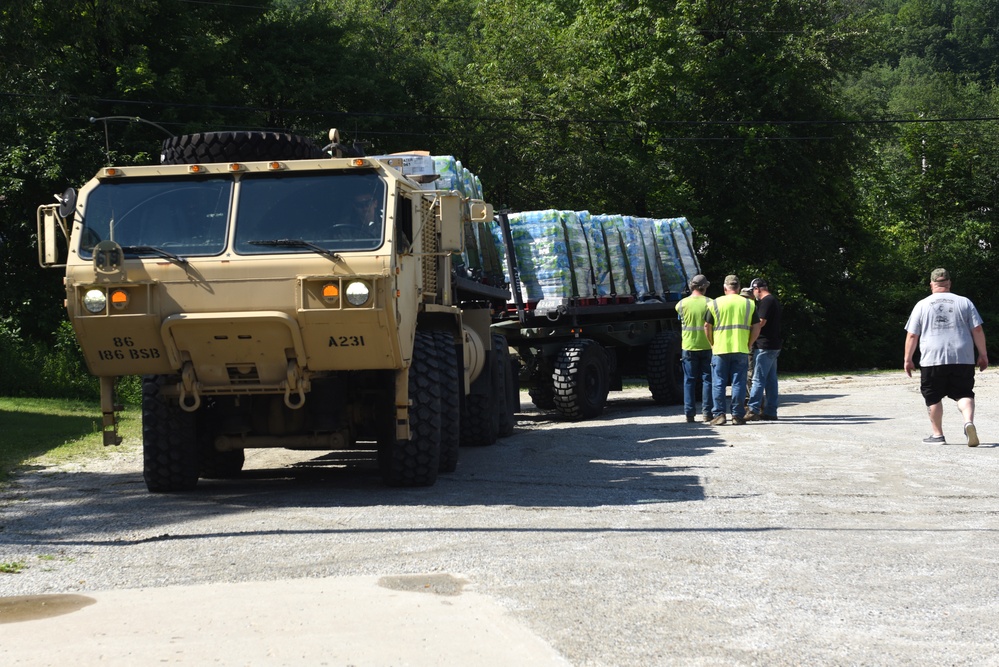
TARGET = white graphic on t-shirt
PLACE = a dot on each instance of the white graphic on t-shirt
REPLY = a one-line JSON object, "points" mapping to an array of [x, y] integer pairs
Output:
{"points": [[943, 316]]}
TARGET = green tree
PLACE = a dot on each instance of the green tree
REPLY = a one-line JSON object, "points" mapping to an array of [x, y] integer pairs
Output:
{"points": [[928, 192], [186, 66]]}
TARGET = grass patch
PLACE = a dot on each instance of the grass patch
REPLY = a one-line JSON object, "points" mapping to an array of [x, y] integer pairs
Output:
{"points": [[55, 430], [11, 567], [64, 559]]}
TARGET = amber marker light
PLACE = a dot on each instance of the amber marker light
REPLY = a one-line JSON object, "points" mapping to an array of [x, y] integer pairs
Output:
{"points": [[358, 162], [119, 298], [195, 169], [331, 292], [112, 171], [235, 166], [274, 166]]}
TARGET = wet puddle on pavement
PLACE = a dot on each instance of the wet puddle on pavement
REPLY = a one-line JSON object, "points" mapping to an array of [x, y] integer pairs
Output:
{"points": [[36, 607], [440, 584]]}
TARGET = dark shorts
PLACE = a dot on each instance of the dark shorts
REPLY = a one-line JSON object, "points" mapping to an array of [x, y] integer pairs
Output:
{"points": [[955, 381]]}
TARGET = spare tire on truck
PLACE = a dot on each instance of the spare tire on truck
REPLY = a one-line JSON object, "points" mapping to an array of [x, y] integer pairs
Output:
{"points": [[209, 147]]}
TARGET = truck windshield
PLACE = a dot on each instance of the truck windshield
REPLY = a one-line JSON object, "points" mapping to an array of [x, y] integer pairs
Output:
{"points": [[183, 217], [334, 211]]}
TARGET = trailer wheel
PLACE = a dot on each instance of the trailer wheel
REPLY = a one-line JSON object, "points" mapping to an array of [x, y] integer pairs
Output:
{"points": [[664, 368], [480, 415], [542, 389], [582, 379], [210, 147], [416, 462], [170, 456], [504, 402], [451, 391], [215, 464]]}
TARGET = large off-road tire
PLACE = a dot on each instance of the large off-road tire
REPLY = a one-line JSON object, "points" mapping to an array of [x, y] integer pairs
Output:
{"points": [[170, 454], [506, 382], [209, 147], [416, 462], [664, 369], [451, 390], [542, 387], [582, 380], [480, 414], [215, 464], [542, 395]]}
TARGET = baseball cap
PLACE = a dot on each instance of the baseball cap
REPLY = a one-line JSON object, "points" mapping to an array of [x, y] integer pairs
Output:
{"points": [[699, 282], [758, 282], [732, 280], [939, 276]]}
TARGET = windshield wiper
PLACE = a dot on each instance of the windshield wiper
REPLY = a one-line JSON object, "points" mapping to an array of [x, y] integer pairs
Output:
{"points": [[138, 249], [297, 243]]}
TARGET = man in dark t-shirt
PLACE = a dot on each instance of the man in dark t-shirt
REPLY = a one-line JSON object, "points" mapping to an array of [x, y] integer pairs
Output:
{"points": [[763, 394]]}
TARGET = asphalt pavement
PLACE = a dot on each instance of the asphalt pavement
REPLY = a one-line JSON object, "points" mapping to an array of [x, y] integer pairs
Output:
{"points": [[833, 536]]}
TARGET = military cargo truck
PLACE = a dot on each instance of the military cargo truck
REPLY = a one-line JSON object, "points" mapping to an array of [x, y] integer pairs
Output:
{"points": [[272, 293]]}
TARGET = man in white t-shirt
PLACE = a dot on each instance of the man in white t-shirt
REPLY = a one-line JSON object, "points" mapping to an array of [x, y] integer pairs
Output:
{"points": [[947, 329]]}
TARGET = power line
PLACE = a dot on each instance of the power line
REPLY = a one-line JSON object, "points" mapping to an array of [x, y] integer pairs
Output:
{"points": [[511, 119]]}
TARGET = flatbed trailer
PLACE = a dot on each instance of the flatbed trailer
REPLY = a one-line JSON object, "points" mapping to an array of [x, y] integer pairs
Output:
{"points": [[575, 350]]}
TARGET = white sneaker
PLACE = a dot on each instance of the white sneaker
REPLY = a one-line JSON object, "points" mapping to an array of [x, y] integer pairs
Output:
{"points": [[972, 433]]}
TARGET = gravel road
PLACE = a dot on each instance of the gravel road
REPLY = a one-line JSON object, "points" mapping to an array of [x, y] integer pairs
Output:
{"points": [[831, 537]]}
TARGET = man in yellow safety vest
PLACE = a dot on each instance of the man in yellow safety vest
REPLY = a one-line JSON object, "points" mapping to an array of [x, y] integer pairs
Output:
{"points": [[731, 324], [695, 348]]}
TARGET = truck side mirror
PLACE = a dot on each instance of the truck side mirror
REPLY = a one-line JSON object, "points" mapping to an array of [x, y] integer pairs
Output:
{"points": [[48, 222], [452, 233], [49, 218]]}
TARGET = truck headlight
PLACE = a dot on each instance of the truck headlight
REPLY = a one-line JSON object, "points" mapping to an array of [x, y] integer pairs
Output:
{"points": [[95, 301], [357, 293]]}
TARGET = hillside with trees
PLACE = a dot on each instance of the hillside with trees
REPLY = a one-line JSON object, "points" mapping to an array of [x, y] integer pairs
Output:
{"points": [[840, 148]]}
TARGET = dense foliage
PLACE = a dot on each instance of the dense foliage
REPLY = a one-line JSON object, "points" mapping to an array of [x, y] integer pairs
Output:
{"points": [[839, 147]]}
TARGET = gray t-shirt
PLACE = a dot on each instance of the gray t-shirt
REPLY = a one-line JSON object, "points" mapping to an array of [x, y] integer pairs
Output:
{"points": [[943, 322]]}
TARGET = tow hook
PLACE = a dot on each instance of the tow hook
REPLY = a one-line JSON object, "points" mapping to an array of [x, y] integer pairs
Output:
{"points": [[294, 384], [190, 397]]}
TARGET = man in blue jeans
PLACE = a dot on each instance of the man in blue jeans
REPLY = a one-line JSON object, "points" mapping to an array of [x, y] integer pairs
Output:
{"points": [[763, 394], [731, 325], [695, 348]]}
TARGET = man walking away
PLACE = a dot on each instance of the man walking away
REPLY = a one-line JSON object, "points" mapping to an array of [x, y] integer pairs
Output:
{"points": [[946, 328], [731, 325], [765, 355], [696, 350]]}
